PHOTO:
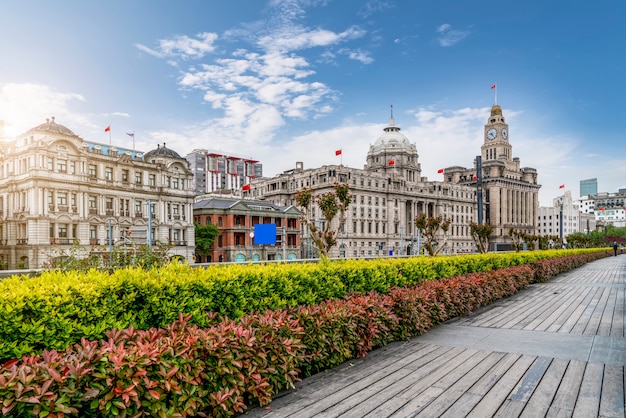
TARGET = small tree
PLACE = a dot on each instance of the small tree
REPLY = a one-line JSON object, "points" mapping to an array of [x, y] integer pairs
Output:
{"points": [[430, 227], [517, 239], [205, 236], [331, 204], [480, 235]]}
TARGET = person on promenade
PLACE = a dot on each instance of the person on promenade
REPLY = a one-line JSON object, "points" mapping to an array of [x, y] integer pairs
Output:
{"points": [[615, 248]]}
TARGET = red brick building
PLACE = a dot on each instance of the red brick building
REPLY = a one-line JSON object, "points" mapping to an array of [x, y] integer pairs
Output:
{"points": [[236, 218]]}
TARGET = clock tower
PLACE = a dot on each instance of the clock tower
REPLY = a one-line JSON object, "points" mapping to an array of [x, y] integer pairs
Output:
{"points": [[510, 191], [496, 144]]}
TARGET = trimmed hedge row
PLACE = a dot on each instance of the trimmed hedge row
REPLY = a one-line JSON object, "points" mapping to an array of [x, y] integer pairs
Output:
{"points": [[183, 369], [59, 308]]}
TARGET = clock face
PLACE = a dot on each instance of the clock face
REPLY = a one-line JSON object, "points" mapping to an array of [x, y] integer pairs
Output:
{"points": [[505, 133], [492, 133]]}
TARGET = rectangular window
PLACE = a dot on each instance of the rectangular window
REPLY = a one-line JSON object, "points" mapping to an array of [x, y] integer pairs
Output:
{"points": [[50, 163], [174, 183], [93, 232], [108, 173], [138, 178], [62, 230], [92, 202], [72, 167], [125, 176], [109, 203], [152, 180], [62, 199], [62, 166], [93, 171], [138, 206]]}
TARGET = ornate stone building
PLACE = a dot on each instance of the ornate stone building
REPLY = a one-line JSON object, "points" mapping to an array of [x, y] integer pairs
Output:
{"points": [[388, 193], [510, 192], [58, 190]]}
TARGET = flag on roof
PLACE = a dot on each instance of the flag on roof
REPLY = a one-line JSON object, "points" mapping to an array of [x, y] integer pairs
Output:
{"points": [[562, 186], [245, 187], [131, 134], [493, 87], [107, 129], [338, 152], [391, 162], [440, 171]]}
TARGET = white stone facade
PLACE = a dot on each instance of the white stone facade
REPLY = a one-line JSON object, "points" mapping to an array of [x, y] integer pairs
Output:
{"points": [[58, 190], [510, 192], [387, 196]]}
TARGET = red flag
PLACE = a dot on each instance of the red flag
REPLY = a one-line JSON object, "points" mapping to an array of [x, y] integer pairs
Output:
{"points": [[245, 187], [338, 152], [391, 162], [493, 87], [107, 129], [562, 186], [475, 178], [440, 171]]}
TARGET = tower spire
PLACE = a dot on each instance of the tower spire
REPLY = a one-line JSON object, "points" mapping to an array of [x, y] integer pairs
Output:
{"points": [[391, 121]]}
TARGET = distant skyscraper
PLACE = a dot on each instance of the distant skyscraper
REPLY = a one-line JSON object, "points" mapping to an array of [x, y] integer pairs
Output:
{"points": [[589, 187], [215, 171]]}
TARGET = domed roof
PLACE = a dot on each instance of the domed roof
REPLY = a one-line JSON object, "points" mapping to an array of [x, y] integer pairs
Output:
{"points": [[161, 151], [392, 137], [496, 110], [52, 127]]}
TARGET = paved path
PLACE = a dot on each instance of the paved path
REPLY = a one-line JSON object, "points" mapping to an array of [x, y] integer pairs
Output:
{"points": [[556, 349]]}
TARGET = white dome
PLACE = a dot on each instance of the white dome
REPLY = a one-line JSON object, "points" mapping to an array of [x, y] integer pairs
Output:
{"points": [[392, 138]]}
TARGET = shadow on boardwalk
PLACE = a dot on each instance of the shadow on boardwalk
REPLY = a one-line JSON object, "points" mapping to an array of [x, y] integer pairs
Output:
{"points": [[556, 349]]}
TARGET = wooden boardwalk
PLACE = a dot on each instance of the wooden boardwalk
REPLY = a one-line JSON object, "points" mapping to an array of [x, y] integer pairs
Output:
{"points": [[556, 349]]}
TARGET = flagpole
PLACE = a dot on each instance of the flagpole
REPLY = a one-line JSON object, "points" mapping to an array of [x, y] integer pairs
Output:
{"points": [[341, 157], [109, 135], [495, 98]]}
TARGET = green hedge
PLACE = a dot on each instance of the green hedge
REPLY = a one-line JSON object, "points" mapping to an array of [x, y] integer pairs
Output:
{"points": [[58, 308], [185, 370]]}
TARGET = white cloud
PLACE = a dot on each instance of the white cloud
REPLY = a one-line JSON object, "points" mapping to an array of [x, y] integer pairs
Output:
{"points": [[449, 36], [26, 105]]}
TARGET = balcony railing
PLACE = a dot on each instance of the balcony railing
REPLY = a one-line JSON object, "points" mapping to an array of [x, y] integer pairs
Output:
{"points": [[22, 241], [61, 241]]}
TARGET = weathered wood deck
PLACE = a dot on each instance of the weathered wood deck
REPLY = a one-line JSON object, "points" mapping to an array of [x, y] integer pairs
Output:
{"points": [[556, 349]]}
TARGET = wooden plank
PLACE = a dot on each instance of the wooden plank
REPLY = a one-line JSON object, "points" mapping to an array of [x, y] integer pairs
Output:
{"points": [[419, 395], [454, 392], [588, 402], [617, 326], [539, 402], [524, 312], [516, 401], [565, 398], [584, 318], [568, 319], [612, 400], [598, 312], [567, 303], [549, 304], [604, 327], [330, 391], [361, 402], [492, 401]]}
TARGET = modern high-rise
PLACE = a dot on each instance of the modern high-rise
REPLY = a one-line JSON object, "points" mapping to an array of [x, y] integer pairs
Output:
{"points": [[216, 172], [510, 191], [589, 187], [59, 191], [387, 195]]}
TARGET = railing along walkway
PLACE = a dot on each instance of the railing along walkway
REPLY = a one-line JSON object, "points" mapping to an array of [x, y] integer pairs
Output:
{"points": [[556, 349]]}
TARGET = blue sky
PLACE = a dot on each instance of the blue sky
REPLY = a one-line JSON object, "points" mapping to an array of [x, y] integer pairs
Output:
{"points": [[287, 81]]}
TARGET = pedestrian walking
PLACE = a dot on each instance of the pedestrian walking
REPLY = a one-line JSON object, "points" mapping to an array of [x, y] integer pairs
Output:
{"points": [[615, 248]]}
